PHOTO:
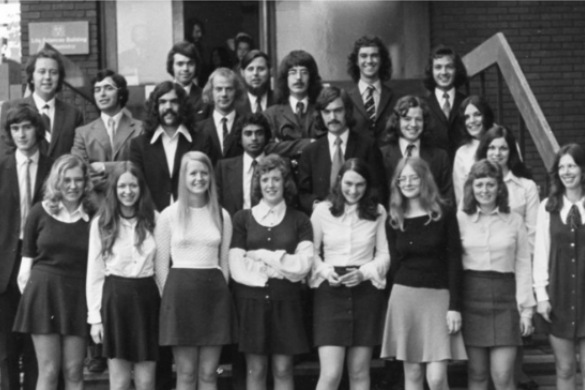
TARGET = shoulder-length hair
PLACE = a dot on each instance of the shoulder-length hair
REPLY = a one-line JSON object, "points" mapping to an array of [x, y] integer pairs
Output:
{"points": [[187, 49], [32, 63], [460, 70], [367, 207], [480, 170], [326, 97], [267, 164], [297, 58], [21, 113], [185, 113], [229, 74], [483, 107], [557, 189], [52, 190], [430, 199], [401, 108], [110, 214], [353, 69], [515, 163], [183, 209]]}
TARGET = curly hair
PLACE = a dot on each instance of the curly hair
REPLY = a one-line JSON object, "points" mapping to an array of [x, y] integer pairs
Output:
{"points": [[52, 187], [297, 58], [485, 110], [20, 113], [185, 113], [460, 70], [187, 49], [119, 80], [32, 62], [326, 97], [257, 119], [353, 69], [480, 170], [557, 188], [229, 74], [267, 164], [367, 205], [403, 105]]}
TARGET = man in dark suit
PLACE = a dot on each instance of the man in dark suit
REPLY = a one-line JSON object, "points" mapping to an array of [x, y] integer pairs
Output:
{"points": [[256, 74], [105, 142], [224, 91], [168, 135], [22, 174], [445, 73], [292, 119], [369, 66], [321, 161], [45, 76], [185, 65]]}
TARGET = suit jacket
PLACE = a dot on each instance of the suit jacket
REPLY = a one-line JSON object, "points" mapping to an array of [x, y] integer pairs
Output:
{"points": [[201, 111], [436, 158], [315, 168], [245, 107], [232, 145], [10, 222], [385, 108], [67, 119], [446, 132], [289, 134], [152, 160], [229, 175]]}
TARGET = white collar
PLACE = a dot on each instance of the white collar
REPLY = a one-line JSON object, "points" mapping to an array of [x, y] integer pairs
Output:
{"points": [[160, 132], [247, 160], [293, 103], [40, 103], [363, 86], [79, 212], [402, 143], [439, 95], [21, 158], [344, 136], [262, 210], [105, 118], [217, 116]]}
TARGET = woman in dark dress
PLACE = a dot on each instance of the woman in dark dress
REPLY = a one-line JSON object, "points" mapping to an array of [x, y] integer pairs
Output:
{"points": [[559, 263], [52, 275], [270, 255]]}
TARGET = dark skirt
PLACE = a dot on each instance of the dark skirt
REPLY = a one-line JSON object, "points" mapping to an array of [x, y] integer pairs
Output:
{"points": [[348, 317], [52, 303], [196, 309], [490, 313], [130, 315], [271, 318]]}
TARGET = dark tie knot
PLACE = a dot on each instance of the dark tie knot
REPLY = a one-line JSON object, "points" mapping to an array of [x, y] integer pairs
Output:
{"points": [[409, 150]]}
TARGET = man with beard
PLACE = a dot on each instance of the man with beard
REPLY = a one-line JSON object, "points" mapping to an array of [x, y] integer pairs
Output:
{"points": [[168, 135], [256, 74], [292, 121], [321, 160]]}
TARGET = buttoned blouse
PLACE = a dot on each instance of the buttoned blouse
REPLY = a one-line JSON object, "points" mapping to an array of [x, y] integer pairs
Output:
{"points": [[464, 160], [523, 199], [127, 260], [349, 241], [499, 242], [542, 244]]}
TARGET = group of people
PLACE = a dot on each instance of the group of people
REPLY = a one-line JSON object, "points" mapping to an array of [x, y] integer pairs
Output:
{"points": [[311, 217]]}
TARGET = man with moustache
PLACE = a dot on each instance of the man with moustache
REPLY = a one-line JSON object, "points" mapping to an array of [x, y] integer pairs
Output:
{"points": [[292, 119], [255, 71], [22, 174], [321, 160], [45, 75], [224, 91]]}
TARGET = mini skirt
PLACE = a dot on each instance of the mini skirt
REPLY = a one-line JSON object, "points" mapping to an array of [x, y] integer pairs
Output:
{"points": [[196, 309], [271, 318], [490, 313], [416, 327], [348, 316], [52, 303], [130, 316]]}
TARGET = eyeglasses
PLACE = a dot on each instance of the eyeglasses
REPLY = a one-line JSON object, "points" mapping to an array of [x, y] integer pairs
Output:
{"points": [[408, 179]]}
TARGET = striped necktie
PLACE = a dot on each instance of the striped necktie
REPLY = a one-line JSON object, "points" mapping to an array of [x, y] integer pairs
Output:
{"points": [[371, 106]]}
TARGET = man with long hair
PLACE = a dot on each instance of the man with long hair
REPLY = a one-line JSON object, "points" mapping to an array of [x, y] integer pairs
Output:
{"points": [[255, 71]]}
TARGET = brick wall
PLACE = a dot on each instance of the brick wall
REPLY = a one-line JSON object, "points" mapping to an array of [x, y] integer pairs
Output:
{"points": [[51, 11], [548, 38]]}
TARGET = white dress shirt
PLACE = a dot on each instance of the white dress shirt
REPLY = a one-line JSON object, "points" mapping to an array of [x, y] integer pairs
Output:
{"points": [[252, 100], [364, 91], [403, 144], [331, 140], [50, 112], [217, 117], [439, 95], [293, 103], [21, 166], [247, 178], [170, 143], [112, 131]]}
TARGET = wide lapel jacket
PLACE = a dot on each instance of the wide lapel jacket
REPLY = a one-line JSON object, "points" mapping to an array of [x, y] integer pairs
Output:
{"points": [[383, 113], [230, 183]]}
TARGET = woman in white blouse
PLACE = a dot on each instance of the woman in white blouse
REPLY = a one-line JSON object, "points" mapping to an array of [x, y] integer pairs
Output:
{"points": [[477, 118], [497, 294], [349, 277], [122, 298], [270, 256], [196, 308], [559, 263]]}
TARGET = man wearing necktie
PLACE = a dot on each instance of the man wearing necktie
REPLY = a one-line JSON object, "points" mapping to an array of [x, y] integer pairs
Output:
{"points": [[321, 161], [22, 174], [45, 75], [369, 66], [105, 142], [255, 70]]}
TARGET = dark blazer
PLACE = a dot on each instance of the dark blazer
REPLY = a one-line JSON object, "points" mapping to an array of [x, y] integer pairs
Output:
{"points": [[201, 110], [229, 175], [289, 134], [385, 107], [315, 168], [245, 107], [233, 146], [445, 132], [152, 160], [67, 119], [437, 159], [10, 222]]}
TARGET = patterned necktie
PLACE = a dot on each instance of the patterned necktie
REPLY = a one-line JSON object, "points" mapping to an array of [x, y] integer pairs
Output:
{"points": [[300, 110], [337, 161], [258, 105], [47, 122], [574, 217], [446, 105], [371, 106], [224, 131], [409, 150], [253, 200]]}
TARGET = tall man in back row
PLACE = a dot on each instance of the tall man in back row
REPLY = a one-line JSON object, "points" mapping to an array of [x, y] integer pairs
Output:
{"points": [[255, 70]]}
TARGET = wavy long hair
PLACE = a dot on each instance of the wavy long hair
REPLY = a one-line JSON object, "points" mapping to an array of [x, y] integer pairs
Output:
{"points": [[353, 68], [110, 210], [401, 108], [483, 107], [481, 170], [557, 188], [515, 163], [460, 70], [185, 113], [297, 58], [52, 187]]}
